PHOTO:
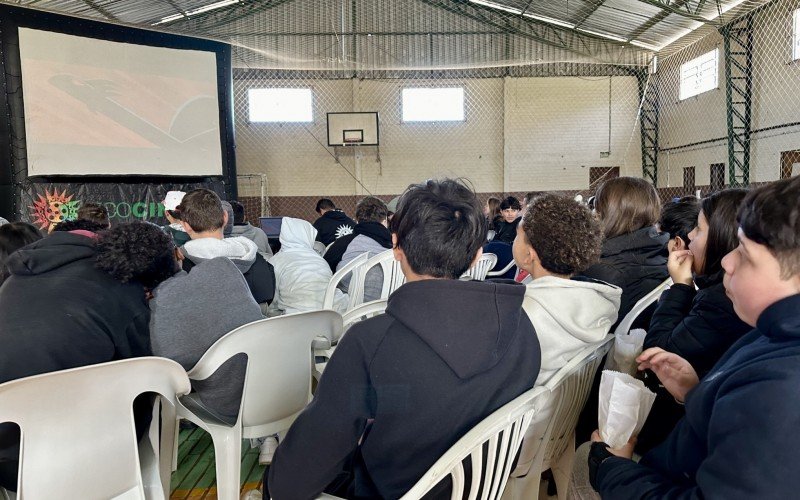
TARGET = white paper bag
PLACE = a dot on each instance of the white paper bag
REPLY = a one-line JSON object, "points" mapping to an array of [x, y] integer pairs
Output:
{"points": [[624, 405], [626, 349]]}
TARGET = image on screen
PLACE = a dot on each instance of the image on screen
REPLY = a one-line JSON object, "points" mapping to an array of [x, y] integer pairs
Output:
{"points": [[95, 107]]}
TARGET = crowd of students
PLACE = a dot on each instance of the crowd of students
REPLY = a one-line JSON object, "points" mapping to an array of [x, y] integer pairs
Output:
{"points": [[722, 349]]}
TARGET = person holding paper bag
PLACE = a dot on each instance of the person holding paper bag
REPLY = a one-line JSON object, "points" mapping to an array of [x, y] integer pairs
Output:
{"points": [[739, 438]]}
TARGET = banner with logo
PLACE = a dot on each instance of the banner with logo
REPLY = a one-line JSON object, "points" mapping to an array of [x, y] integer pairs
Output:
{"points": [[46, 204]]}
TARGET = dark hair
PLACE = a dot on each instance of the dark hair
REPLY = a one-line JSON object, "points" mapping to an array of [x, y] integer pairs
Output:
{"points": [[80, 225], [563, 232], [14, 236], [494, 207], [324, 204], [371, 209], [770, 216], [530, 195], [440, 227], [94, 212], [678, 218], [202, 210], [720, 211], [510, 202], [625, 205], [138, 252], [238, 212]]}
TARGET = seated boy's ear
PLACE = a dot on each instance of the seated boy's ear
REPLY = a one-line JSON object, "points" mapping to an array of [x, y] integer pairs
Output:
{"points": [[676, 244]]}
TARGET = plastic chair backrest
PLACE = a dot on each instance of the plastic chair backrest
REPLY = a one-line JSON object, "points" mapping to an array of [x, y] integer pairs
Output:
{"points": [[393, 276], [501, 433], [78, 433], [363, 311], [625, 325], [481, 267], [355, 267], [502, 271], [570, 386], [277, 384], [320, 248]]}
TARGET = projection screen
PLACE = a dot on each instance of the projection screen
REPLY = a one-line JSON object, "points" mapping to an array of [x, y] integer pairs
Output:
{"points": [[95, 107]]}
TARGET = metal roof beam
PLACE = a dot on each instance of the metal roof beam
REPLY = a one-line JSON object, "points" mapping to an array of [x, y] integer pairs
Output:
{"points": [[586, 11], [108, 15], [654, 20], [676, 10]]}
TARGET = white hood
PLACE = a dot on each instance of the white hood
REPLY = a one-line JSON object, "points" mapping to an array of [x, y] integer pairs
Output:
{"points": [[297, 234], [239, 249], [568, 315]]}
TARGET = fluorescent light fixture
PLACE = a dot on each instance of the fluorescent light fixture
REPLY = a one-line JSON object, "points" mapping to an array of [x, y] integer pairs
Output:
{"points": [[200, 10], [549, 20], [644, 45], [604, 35], [497, 6]]}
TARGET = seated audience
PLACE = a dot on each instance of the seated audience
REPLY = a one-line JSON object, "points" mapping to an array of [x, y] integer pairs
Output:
{"points": [[227, 229], [14, 236], [256, 234], [190, 312], [203, 218], [739, 437], [402, 387], [557, 239], [77, 298], [372, 237], [505, 226], [634, 254], [332, 223], [505, 256], [677, 219], [94, 212], [695, 318], [371, 230], [175, 228], [301, 274]]}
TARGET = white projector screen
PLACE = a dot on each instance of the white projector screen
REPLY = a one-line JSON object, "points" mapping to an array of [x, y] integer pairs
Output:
{"points": [[94, 107]]}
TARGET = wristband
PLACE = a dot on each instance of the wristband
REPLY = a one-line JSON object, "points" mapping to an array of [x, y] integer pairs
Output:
{"points": [[597, 455]]}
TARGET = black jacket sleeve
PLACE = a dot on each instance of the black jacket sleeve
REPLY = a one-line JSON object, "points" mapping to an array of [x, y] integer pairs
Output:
{"points": [[261, 280], [697, 326], [324, 436]]}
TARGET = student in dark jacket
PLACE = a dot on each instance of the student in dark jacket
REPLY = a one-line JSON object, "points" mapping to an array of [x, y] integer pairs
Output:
{"points": [[739, 438], [204, 219], [332, 223], [634, 255], [74, 299], [698, 326], [371, 214], [505, 226], [402, 387]]}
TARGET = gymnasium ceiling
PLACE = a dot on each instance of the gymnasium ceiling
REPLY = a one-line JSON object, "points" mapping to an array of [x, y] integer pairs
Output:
{"points": [[643, 26]]}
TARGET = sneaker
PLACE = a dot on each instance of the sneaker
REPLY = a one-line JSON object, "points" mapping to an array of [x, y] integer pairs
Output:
{"points": [[267, 450]]}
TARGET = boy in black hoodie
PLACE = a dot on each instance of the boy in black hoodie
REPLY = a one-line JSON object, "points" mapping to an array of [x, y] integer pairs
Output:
{"points": [[401, 388], [332, 223]]}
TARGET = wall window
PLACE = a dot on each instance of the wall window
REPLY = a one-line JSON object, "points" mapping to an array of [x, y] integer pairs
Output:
{"points": [[699, 75], [796, 35], [433, 104], [280, 105]]}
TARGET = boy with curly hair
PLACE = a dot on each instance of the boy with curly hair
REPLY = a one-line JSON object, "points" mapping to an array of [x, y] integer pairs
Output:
{"points": [[557, 239]]}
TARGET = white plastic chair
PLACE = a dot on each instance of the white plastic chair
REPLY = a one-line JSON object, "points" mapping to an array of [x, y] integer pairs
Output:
{"points": [[78, 432], [277, 384], [320, 248], [355, 266], [323, 351], [501, 433], [503, 271], [393, 276], [625, 325], [481, 267], [569, 388]]}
